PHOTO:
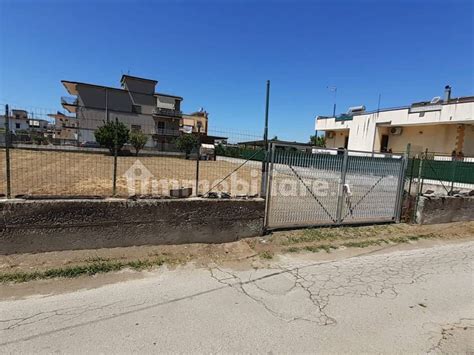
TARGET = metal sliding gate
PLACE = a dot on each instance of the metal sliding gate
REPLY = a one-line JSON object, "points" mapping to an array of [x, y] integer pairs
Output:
{"points": [[332, 187]]}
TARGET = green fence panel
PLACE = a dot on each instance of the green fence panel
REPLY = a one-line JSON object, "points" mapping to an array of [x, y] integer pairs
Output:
{"points": [[442, 170]]}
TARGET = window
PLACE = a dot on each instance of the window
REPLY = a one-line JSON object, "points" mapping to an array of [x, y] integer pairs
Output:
{"points": [[136, 128], [17, 125], [136, 109], [161, 125]]}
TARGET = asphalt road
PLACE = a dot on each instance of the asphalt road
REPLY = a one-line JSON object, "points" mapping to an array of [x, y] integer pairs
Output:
{"points": [[412, 301]]}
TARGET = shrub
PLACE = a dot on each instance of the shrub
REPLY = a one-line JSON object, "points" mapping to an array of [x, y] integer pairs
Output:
{"points": [[138, 140], [186, 143], [111, 131]]}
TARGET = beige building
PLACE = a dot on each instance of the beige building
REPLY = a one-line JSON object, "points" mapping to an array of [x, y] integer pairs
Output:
{"points": [[442, 125], [65, 127], [196, 122]]}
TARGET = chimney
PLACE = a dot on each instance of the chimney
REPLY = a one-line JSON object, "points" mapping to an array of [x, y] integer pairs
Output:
{"points": [[447, 93]]}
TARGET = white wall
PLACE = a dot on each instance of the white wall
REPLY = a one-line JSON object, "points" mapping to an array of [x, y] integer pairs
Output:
{"points": [[338, 140], [363, 128], [436, 138], [23, 124]]}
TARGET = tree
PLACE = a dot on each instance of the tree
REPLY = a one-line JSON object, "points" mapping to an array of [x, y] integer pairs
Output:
{"points": [[186, 143], [111, 131], [318, 141], [138, 140]]}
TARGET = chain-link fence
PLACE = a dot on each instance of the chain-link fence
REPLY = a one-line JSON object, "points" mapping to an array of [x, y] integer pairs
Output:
{"points": [[54, 155], [332, 187]]}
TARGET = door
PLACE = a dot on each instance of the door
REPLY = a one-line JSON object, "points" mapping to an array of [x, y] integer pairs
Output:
{"points": [[384, 143]]}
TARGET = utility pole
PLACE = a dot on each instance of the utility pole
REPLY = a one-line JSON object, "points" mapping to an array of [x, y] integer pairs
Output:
{"points": [[378, 105], [265, 144], [106, 106], [334, 90]]}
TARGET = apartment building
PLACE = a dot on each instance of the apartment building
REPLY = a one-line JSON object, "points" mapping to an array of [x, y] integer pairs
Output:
{"points": [[65, 128], [196, 122], [20, 122], [442, 125], [135, 103]]}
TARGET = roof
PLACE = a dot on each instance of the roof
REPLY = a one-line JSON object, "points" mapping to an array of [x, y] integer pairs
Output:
{"points": [[71, 88], [452, 101], [137, 78], [168, 95], [60, 115], [277, 141]]}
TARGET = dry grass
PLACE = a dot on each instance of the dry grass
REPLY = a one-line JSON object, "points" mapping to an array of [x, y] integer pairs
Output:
{"points": [[246, 253], [316, 239], [74, 173]]}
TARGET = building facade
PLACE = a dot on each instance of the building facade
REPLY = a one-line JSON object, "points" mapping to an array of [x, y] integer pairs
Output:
{"points": [[135, 103], [442, 125], [65, 128], [20, 123], [196, 122]]}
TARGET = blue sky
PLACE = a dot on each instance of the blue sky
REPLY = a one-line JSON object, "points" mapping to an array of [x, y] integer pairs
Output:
{"points": [[218, 54]]}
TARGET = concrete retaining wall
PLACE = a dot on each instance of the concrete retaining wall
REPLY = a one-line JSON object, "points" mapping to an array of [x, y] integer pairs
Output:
{"points": [[49, 225], [444, 209]]}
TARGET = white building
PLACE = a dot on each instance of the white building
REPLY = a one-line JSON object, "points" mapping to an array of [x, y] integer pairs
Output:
{"points": [[442, 125], [20, 122]]}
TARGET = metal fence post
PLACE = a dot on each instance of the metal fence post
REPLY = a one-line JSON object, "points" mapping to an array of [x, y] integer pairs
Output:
{"points": [[114, 184], [268, 191], [7, 151], [411, 167], [263, 185], [418, 183], [453, 175], [340, 192], [401, 186], [198, 158]]}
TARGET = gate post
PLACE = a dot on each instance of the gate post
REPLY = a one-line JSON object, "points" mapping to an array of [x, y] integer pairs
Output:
{"points": [[268, 192], [401, 186], [114, 176], [340, 191], [7, 151]]}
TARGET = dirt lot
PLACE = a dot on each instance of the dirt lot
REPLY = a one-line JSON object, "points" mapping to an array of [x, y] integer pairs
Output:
{"points": [[252, 252], [77, 173]]}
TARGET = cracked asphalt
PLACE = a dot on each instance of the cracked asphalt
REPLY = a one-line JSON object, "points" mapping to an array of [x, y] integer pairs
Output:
{"points": [[415, 301]]}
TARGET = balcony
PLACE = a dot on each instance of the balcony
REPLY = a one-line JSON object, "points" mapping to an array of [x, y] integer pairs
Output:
{"points": [[68, 100], [69, 103], [161, 111], [166, 132]]}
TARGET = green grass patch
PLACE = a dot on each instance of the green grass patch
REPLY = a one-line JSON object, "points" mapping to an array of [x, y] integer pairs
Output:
{"points": [[92, 267], [315, 248], [311, 235], [360, 244], [266, 255], [364, 243], [331, 234]]}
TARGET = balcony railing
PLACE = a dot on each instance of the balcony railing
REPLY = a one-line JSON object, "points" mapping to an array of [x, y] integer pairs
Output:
{"points": [[167, 132], [67, 100], [166, 112]]}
